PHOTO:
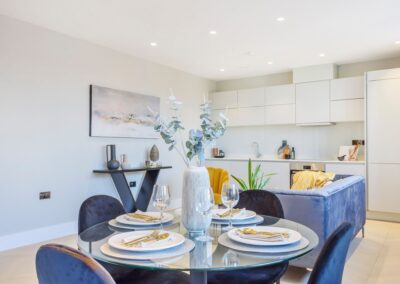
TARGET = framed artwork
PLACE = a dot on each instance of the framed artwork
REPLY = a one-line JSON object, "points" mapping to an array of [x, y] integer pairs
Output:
{"points": [[115, 113]]}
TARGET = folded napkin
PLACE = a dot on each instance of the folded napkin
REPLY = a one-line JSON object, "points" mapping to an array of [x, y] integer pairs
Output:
{"points": [[235, 213], [142, 217], [252, 234], [147, 239]]}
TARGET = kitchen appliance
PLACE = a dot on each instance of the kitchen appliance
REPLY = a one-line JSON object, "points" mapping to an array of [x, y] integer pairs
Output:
{"points": [[299, 167]]}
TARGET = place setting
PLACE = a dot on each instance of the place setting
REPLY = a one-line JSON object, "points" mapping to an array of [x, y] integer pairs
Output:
{"points": [[230, 216], [148, 244], [263, 239]]}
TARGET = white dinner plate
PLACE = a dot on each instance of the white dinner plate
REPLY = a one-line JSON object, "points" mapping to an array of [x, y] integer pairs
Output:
{"points": [[113, 223], [124, 219], [174, 240], [186, 247], [293, 236], [247, 214], [251, 221], [227, 242]]}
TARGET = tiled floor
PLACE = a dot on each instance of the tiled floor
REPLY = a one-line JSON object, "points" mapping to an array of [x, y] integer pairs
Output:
{"points": [[374, 259]]}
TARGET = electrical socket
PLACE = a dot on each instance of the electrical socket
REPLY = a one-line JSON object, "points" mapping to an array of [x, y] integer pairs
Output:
{"points": [[132, 184], [45, 195]]}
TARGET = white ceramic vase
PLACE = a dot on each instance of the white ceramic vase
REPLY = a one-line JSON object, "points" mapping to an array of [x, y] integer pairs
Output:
{"points": [[195, 179]]}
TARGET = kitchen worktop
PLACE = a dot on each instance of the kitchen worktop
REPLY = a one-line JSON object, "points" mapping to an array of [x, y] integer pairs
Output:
{"points": [[266, 159]]}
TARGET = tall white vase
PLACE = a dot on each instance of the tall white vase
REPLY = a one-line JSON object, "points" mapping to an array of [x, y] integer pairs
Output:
{"points": [[195, 179]]}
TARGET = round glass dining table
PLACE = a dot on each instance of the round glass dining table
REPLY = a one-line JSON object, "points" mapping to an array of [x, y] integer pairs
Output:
{"points": [[206, 256]]}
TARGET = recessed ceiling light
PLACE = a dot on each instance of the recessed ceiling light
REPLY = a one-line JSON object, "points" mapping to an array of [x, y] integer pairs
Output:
{"points": [[397, 42], [270, 62], [222, 70], [322, 55], [153, 43], [212, 32], [280, 19]]}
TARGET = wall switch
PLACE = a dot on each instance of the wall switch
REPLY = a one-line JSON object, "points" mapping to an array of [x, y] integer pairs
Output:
{"points": [[45, 195], [132, 184]]}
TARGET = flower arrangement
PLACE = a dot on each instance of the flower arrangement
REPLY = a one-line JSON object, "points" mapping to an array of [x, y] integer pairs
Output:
{"points": [[171, 131]]}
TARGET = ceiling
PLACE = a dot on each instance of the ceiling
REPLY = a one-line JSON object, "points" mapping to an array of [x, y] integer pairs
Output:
{"points": [[248, 36]]}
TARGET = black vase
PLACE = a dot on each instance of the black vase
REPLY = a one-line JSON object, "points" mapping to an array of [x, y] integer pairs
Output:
{"points": [[112, 162]]}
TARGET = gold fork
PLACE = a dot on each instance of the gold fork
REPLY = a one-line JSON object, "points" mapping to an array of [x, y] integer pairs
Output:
{"points": [[250, 231]]}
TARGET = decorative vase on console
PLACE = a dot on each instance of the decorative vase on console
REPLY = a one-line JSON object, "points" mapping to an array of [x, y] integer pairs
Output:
{"points": [[112, 162], [192, 151]]}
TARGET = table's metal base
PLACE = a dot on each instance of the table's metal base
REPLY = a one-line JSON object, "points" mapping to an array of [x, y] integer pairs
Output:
{"points": [[198, 277]]}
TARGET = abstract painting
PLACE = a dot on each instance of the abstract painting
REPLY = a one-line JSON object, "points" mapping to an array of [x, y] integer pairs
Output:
{"points": [[115, 113]]}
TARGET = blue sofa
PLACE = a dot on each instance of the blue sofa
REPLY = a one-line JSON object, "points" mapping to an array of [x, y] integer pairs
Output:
{"points": [[323, 210]]}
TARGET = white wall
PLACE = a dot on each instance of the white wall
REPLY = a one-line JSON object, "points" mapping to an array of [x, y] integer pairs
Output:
{"points": [[44, 122], [319, 142]]}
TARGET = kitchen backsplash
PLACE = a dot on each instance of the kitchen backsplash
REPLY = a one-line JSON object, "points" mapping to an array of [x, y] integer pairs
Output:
{"points": [[317, 142]]}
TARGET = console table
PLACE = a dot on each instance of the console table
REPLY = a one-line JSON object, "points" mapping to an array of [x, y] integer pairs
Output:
{"points": [[124, 191]]}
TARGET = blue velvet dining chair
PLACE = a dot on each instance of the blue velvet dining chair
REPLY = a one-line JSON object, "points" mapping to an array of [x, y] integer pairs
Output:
{"points": [[102, 208], [330, 263], [57, 264], [263, 203]]}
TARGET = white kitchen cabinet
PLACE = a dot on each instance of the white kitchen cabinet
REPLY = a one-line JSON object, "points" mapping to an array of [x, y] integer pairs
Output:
{"points": [[222, 100], [282, 171], [346, 169], [314, 73], [280, 114], [239, 168], [383, 134], [383, 188], [347, 110], [383, 121], [347, 88], [279, 95], [247, 116], [312, 103], [251, 97]]}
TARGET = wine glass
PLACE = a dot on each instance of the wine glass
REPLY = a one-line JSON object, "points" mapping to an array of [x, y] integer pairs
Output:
{"points": [[230, 197], [205, 204], [161, 200]]}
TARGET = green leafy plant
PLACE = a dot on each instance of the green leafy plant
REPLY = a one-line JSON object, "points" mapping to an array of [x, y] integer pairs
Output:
{"points": [[256, 178]]}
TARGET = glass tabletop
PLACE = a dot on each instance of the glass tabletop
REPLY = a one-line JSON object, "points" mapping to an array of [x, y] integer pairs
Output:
{"points": [[206, 256]]}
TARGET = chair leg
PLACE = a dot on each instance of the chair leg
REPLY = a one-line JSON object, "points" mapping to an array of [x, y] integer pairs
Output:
{"points": [[363, 232]]}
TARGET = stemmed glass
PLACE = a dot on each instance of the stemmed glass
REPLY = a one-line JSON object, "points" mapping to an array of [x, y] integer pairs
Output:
{"points": [[161, 200], [205, 204], [230, 198]]}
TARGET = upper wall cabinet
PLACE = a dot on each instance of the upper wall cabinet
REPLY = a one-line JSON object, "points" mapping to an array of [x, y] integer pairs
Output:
{"points": [[222, 100], [251, 97], [347, 88], [280, 95], [312, 103]]}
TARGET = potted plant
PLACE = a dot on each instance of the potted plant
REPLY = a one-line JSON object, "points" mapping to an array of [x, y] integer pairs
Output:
{"points": [[256, 178]]}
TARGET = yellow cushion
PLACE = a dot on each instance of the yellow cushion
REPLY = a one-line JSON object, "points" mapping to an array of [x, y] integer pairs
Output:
{"points": [[311, 179], [217, 178]]}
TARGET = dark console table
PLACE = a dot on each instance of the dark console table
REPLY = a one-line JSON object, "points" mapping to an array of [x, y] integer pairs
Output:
{"points": [[124, 191]]}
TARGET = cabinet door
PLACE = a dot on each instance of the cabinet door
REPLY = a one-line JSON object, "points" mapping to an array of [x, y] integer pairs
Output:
{"points": [[383, 116], [281, 179], [347, 110], [221, 100], [312, 102], [246, 116], [347, 88], [383, 187], [251, 97], [279, 95], [346, 169], [280, 114]]}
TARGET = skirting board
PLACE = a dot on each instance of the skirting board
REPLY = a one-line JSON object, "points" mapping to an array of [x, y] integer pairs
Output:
{"points": [[383, 216], [37, 235], [20, 239]]}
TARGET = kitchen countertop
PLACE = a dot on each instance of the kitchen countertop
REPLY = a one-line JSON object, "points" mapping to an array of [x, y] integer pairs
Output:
{"points": [[262, 159]]}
